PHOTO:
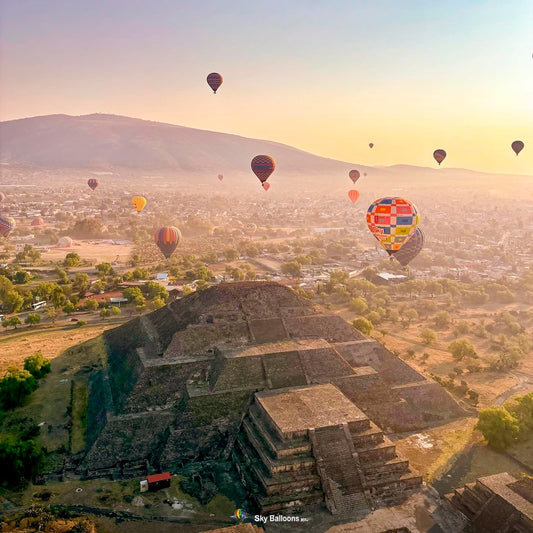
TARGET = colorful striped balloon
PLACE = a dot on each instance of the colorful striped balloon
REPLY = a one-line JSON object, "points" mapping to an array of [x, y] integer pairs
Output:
{"points": [[263, 166], [410, 249], [7, 225], [392, 220], [167, 239]]}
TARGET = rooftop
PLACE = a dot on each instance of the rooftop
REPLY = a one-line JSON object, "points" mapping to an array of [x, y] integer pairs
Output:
{"points": [[308, 407]]}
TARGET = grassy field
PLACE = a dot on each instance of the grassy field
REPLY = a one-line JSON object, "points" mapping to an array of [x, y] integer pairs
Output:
{"points": [[16, 345]]}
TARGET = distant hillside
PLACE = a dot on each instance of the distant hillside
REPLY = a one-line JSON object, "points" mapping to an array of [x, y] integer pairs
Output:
{"points": [[109, 141]]}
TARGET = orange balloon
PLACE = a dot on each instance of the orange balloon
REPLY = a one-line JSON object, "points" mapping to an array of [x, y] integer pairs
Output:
{"points": [[353, 195], [266, 185]]}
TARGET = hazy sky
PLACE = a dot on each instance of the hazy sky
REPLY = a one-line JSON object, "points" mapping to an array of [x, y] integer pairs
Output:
{"points": [[327, 76]]}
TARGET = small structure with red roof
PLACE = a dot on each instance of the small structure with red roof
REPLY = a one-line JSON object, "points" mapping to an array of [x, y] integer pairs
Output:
{"points": [[156, 482]]}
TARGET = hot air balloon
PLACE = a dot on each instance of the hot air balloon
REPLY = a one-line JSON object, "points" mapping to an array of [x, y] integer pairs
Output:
{"points": [[266, 186], [250, 228], [517, 146], [263, 166], [215, 81], [392, 220], [364, 174], [354, 175], [353, 195], [65, 242], [2, 197], [439, 156], [37, 221], [220, 177], [93, 183], [371, 145], [139, 202], [410, 249], [167, 239], [7, 225]]}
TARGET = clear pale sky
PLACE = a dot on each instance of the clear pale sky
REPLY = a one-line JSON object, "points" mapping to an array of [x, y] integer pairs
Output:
{"points": [[326, 76]]}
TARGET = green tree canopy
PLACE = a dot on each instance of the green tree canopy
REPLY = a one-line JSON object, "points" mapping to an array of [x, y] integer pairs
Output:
{"points": [[498, 426]]}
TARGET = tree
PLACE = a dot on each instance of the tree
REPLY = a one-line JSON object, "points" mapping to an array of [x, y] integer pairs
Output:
{"points": [[91, 304], [292, 269], [15, 386], [32, 319], [409, 315], [358, 305], [12, 302], [19, 460], [231, 254], [104, 269], [151, 290], [12, 322], [462, 328], [428, 336], [37, 365], [81, 283], [462, 348], [51, 313], [442, 319], [104, 312], [156, 303], [69, 308], [498, 426], [62, 275], [114, 310], [22, 277], [363, 325], [374, 317], [72, 259], [5, 286]]}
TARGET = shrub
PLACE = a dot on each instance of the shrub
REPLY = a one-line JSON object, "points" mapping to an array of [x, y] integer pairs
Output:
{"points": [[37, 365]]}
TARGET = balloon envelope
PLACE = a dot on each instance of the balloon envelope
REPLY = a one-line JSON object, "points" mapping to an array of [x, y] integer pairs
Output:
{"points": [[214, 80], [93, 183], [7, 225], [392, 220], [353, 195], [439, 156], [37, 221], [139, 202], [220, 177], [263, 166], [65, 242], [410, 249], [371, 145], [167, 239], [354, 175], [517, 146], [266, 186], [250, 228]]}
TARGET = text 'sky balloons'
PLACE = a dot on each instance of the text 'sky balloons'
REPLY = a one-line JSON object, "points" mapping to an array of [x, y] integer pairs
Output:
{"points": [[263, 166], [220, 177], [353, 195], [7, 225], [92, 183], [517, 146], [371, 145], [410, 249], [392, 220], [215, 81], [167, 239], [439, 156], [2, 197], [354, 175], [139, 202], [266, 186]]}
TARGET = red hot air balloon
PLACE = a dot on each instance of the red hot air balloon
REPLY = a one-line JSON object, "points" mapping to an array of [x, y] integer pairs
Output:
{"points": [[517, 146], [215, 81], [220, 177], [167, 239], [439, 156], [353, 195], [354, 175], [263, 166], [364, 174], [371, 145], [92, 183], [266, 186]]}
